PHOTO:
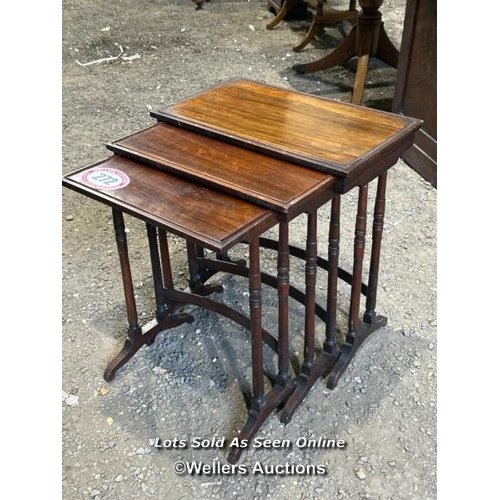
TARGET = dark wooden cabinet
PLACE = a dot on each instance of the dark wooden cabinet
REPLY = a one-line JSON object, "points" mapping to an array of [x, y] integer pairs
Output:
{"points": [[416, 84]]}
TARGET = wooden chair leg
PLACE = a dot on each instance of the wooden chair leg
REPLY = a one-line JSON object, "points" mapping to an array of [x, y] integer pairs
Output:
{"points": [[341, 54], [311, 32], [285, 7], [321, 18]]}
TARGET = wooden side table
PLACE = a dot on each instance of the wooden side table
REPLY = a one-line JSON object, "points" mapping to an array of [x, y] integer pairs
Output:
{"points": [[204, 218], [353, 143]]}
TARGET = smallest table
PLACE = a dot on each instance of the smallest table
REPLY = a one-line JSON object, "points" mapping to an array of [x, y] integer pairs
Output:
{"points": [[205, 219]]}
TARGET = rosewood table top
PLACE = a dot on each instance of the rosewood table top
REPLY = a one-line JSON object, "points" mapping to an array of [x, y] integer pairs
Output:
{"points": [[270, 182], [342, 139], [169, 202]]}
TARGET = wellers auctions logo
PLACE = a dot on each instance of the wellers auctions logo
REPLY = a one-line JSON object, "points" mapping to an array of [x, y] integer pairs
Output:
{"points": [[217, 468]]}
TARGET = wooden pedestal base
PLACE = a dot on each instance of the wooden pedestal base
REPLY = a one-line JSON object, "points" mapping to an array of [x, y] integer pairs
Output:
{"points": [[367, 39]]}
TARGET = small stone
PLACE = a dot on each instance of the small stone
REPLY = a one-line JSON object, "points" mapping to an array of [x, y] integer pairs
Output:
{"points": [[110, 420], [119, 478], [416, 364], [431, 346], [434, 322], [70, 217], [360, 473], [72, 400], [357, 380], [364, 459], [319, 490], [94, 493], [139, 451], [392, 464]]}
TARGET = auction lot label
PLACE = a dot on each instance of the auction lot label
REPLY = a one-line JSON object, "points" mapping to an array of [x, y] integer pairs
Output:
{"points": [[105, 178]]}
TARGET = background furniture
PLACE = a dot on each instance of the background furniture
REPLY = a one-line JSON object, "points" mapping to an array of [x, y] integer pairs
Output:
{"points": [[415, 92], [325, 15], [366, 39]]}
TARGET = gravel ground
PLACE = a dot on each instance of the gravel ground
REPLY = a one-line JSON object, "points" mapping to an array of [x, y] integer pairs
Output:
{"points": [[188, 385]]}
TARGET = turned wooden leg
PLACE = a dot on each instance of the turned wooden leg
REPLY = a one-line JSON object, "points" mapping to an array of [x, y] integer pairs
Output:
{"points": [[261, 406], [283, 295], [161, 301], [312, 371], [196, 285], [255, 303], [128, 287], [359, 252], [378, 226], [359, 248], [134, 330], [166, 265], [307, 374], [311, 269], [330, 343], [137, 336]]}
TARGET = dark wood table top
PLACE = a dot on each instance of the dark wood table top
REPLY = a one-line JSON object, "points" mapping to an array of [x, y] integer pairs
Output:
{"points": [[342, 139], [213, 219], [267, 181]]}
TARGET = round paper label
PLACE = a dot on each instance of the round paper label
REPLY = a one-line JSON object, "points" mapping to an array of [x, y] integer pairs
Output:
{"points": [[105, 178]]}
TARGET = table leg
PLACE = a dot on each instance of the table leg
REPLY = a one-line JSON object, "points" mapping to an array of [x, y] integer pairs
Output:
{"points": [[358, 331], [255, 303], [359, 248], [310, 371], [166, 266], [137, 336], [378, 226], [330, 343], [283, 308], [160, 297], [311, 270], [128, 288], [195, 254], [262, 406]]}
